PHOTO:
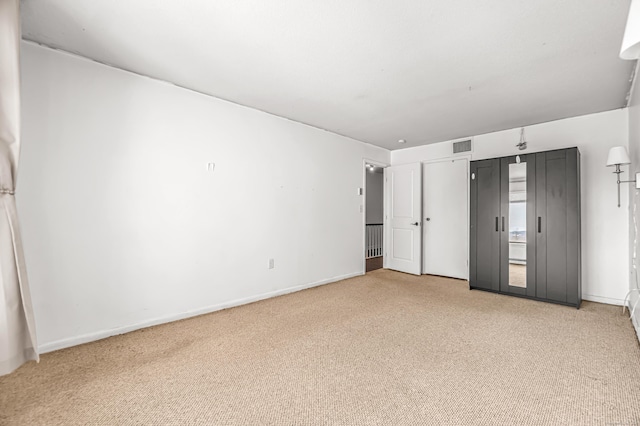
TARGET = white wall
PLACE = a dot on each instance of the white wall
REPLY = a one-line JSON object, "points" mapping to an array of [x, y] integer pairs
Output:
{"points": [[125, 227], [634, 196], [375, 197], [605, 227]]}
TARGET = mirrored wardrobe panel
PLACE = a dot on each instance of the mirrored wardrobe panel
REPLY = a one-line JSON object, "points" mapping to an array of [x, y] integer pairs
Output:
{"points": [[517, 220], [517, 254]]}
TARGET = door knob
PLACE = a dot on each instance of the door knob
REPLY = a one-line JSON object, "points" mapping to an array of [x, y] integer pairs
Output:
{"points": [[416, 224], [428, 219]]}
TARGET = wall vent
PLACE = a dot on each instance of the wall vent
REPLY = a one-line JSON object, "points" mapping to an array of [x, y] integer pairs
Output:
{"points": [[462, 146]]}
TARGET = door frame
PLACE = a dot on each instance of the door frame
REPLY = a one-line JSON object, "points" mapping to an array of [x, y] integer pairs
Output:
{"points": [[468, 159], [377, 163]]}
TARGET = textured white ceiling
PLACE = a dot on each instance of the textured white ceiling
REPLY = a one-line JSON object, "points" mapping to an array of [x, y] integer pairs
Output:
{"points": [[377, 71]]}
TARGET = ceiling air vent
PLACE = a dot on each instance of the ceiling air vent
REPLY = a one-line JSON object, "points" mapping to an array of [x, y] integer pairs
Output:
{"points": [[462, 146]]}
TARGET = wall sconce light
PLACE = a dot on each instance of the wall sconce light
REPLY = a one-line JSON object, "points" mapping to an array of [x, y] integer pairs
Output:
{"points": [[618, 156], [631, 42]]}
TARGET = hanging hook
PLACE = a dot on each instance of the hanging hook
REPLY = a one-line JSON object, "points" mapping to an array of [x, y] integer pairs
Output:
{"points": [[523, 144]]}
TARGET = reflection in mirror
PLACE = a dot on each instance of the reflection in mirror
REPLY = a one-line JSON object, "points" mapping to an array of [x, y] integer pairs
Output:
{"points": [[518, 224]]}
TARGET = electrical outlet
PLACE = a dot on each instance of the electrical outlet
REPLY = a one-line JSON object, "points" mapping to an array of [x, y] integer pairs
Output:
{"points": [[211, 167], [272, 263]]}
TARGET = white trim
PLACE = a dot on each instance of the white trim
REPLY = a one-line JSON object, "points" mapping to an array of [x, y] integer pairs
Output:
{"points": [[91, 337], [456, 157], [636, 323], [635, 319], [600, 299]]}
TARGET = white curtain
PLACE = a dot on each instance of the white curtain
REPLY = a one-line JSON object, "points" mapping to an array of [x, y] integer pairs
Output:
{"points": [[17, 326]]}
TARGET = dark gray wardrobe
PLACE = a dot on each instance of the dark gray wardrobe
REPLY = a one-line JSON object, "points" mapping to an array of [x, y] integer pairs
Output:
{"points": [[525, 226]]}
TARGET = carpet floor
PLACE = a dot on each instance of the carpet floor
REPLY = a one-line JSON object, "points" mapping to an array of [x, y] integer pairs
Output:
{"points": [[385, 348]]}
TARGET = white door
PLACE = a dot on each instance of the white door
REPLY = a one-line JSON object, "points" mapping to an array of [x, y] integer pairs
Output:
{"points": [[446, 225], [403, 244]]}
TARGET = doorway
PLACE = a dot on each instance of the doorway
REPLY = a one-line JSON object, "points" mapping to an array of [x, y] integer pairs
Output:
{"points": [[373, 215]]}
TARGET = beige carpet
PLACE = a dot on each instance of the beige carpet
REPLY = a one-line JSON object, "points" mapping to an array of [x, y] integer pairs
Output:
{"points": [[385, 348]]}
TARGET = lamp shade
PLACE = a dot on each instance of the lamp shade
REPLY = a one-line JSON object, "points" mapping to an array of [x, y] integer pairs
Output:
{"points": [[631, 41], [618, 155]]}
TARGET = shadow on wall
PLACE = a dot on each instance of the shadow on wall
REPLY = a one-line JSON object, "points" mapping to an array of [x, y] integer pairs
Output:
{"points": [[71, 210]]}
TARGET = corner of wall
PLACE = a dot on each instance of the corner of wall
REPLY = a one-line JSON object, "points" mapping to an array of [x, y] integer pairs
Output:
{"points": [[633, 111]]}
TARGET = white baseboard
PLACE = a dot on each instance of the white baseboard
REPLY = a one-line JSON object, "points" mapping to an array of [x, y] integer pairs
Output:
{"points": [[600, 299], [103, 334], [636, 324], [635, 319]]}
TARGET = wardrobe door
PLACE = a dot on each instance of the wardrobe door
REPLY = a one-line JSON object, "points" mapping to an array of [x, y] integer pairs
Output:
{"points": [[558, 227], [484, 257], [517, 225]]}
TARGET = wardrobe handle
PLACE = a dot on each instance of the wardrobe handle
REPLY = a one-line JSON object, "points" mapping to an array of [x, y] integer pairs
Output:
{"points": [[539, 224], [496, 223], [502, 223]]}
